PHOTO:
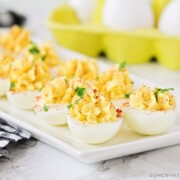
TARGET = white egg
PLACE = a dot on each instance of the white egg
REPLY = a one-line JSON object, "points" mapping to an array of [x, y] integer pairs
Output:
{"points": [[83, 8], [22, 100], [169, 22], [54, 115], [94, 133], [128, 14], [148, 122], [4, 86]]}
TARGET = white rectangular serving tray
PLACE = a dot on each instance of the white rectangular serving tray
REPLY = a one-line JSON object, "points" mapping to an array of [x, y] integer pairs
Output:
{"points": [[124, 143]]}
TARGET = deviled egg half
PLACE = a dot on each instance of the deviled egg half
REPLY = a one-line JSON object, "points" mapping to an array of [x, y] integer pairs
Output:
{"points": [[46, 52], [85, 69], [150, 111], [115, 83], [51, 104], [5, 66], [15, 41], [92, 118], [27, 77]]}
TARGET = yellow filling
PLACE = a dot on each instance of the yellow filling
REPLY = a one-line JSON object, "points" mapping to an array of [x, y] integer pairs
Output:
{"points": [[45, 52], [29, 75], [92, 108], [115, 83], [60, 90], [155, 100], [85, 69], [5, 65], [15, 40]]}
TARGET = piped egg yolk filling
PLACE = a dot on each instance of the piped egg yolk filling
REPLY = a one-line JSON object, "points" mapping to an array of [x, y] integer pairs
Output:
{"points": [[93, 108], [45, 52], [84, 69], [5, 65], [155, 100], [60, 90], [115, 83], [15, 40], [28, 75]]}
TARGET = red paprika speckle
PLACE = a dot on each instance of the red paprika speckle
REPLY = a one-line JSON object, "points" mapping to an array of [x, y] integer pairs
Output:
{"points": [[119, 112], [95, 91]]}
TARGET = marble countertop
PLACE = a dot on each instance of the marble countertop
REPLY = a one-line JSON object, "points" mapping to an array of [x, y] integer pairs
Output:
{"points": [[33, 160]]}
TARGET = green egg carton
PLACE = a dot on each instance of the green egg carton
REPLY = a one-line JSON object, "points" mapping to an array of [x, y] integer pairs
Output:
{"points": [[133, 46]]}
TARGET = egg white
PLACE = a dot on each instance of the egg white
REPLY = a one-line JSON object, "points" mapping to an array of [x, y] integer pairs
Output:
{"points": [[56, 114], [4, 86], [22, 100], [93, 133], [149, 122]]}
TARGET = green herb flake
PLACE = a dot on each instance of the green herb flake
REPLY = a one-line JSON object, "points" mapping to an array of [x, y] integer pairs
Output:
{"points": [[45, 108], [97, 78], [127, 95], [66, 81], [165, 90], [122, 65], [40, 89], [156, 95], [69, 106], [158, 90], [80, 91], [12, 85], [34, 50], [43, 58], [77, 101]]}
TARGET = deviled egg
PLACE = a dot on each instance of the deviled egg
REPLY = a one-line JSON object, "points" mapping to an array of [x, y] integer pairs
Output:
{"points": [[46, 52], [15, 40], [92, 118], [5, 65], [26, 77], [115, 83], [84, 69], [51, 104], [150, 112]]}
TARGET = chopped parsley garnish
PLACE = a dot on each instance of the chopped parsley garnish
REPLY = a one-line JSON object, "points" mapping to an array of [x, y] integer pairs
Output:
{"points": [[12, 85], [69, 106], [122, 65], [77, 101], [45, 108], [43, 58], [132, 82], [127, 95], [158, 90], [66, 81], [97, 78], [80, 91], [34, 49], [40, 89]]}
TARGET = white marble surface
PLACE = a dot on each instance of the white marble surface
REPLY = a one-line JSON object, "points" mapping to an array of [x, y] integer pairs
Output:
{"points": [[34, 160]]}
